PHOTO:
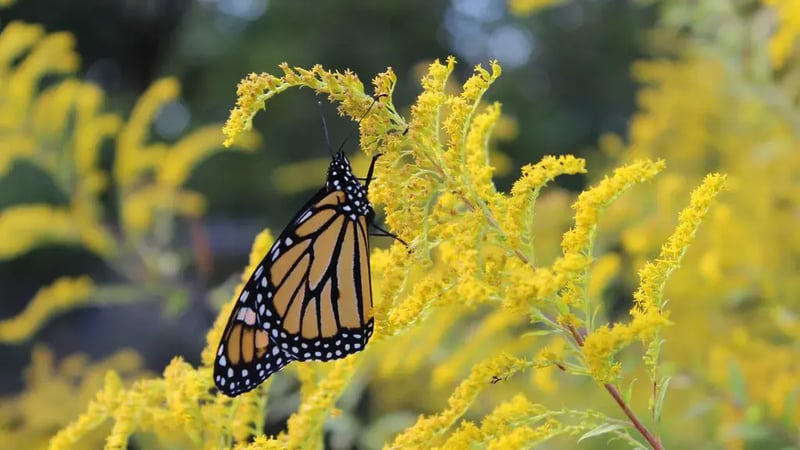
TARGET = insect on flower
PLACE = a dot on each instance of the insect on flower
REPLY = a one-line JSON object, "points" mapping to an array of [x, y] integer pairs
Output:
{"points": [[310, 298]]}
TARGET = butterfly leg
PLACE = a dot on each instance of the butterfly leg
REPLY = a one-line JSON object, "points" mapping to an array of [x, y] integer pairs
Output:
{"points": [[387, 234], [371, 169]]}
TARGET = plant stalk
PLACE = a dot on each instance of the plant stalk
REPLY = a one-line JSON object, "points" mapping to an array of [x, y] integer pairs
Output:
{"points": [[651, 439]]}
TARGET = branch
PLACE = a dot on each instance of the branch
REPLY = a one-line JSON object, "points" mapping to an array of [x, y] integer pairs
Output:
{"points": [[649, 437]]}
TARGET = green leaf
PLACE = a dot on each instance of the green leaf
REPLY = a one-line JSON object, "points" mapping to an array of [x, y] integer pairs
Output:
{"points": [[662, 392], [602, 429], [177, 302], [539, 333], [593, 320], [736, 383], [629, 391], [789, 408]]}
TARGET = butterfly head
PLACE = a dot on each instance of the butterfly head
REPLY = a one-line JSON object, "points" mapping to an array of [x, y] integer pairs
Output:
{"points": [[341, 178]]}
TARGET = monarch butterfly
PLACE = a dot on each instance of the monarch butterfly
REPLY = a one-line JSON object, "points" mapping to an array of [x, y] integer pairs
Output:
{"points": [[310, 298]]}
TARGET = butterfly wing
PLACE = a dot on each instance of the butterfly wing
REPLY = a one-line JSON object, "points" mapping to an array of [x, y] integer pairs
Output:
{"points": [[247, 353], [318, 282], [310, 298]]}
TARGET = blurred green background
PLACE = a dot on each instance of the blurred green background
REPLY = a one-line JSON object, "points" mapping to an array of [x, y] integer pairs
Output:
{"points": [[566, 81]]}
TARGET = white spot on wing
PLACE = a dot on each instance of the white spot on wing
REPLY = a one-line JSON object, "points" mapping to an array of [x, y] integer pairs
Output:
{"points": [[305, 216], [249, 316]]}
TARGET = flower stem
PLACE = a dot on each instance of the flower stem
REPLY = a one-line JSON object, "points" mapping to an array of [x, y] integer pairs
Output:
{"points": [[651, 439]]}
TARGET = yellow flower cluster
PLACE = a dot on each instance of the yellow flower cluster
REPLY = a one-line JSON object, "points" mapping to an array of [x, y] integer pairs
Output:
{"points": [[61, 296], [36, 225], [782, 43], [499, 424], [648, 314], [528, 7], [345, 88], [430, 429], [526, 190], [177, 407], [735, 299], [136, 160], [57, 392]]}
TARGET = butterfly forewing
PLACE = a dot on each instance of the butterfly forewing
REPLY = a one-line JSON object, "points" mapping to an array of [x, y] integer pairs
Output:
{"points": [[310, 297]]}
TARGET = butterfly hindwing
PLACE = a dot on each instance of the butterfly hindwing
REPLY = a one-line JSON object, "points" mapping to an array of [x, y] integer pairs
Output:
{"points": [[247, 354]]}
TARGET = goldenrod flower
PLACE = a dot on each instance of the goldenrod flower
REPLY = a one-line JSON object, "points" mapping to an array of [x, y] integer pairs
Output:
{"points": [[142, 206], [428, 429], [648, 312], [133, 155], [492, 331], [518, 221], [783, 42], [591, 202], [306, 424], [498, 425], [49, 54], [91, 128], [346, 88], [62, 295], [16, 146], [654, 275], [188, 152], [34, 225], [528, 7]]}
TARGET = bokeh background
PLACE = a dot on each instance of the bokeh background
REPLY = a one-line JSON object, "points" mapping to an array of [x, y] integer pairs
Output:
{"points": [[707, 85]]}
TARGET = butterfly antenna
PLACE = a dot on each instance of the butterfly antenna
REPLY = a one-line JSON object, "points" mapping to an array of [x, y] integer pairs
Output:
{"points": [[355, 127], [325, 128]]}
